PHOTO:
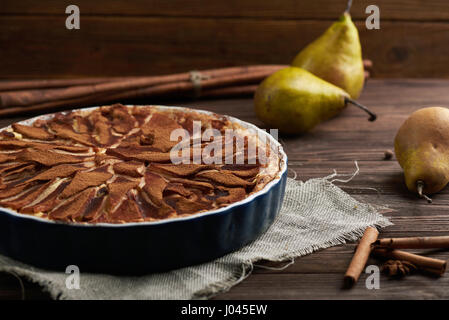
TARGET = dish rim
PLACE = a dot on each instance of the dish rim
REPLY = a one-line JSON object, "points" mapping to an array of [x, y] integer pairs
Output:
{"points": [[250, 198]]}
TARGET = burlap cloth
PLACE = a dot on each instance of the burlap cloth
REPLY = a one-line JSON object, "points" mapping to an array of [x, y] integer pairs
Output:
{"points": [[316, 214]]}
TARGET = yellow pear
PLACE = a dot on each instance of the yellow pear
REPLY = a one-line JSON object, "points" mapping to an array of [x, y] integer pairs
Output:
{"points": [[336, 56], [294, 101], [422, 149]]}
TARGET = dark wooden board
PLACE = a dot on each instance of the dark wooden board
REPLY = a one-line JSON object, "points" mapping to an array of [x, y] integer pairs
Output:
{"points": [[336, 144], [279, 9], [39, 46]]}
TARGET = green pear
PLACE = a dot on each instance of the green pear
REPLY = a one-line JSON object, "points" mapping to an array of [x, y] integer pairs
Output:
{"points": [[422, 149], [336, 56], [294, 100]]}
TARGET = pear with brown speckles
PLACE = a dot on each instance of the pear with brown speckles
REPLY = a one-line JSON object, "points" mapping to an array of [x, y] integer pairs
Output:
{"points": [[294, 101], [336, 56], [422, 149]]}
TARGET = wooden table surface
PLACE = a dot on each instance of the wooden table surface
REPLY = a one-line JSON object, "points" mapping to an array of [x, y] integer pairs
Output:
{"points": [[336, 144]]}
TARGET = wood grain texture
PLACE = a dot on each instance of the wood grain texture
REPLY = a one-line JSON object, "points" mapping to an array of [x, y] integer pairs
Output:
{"points": [[280, 9], [336, 144], [39, 46]]}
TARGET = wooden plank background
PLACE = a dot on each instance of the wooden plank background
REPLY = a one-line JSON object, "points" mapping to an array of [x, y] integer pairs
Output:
{"points": [[162, 36]]}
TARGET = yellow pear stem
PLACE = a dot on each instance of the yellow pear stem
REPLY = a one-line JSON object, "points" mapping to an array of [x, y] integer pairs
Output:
{"points": [[348, 6], [372, 116], [420, 186]]}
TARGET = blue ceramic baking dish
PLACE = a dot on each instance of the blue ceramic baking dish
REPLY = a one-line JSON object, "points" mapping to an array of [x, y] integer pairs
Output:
{"points": [[145, 247]]}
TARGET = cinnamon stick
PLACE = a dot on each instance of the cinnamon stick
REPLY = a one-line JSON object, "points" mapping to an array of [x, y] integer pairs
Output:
{"points": [[367, 64], [360, 257], [435, 266], [413, 242], [31, 97], [55, 83], [366, 74]]}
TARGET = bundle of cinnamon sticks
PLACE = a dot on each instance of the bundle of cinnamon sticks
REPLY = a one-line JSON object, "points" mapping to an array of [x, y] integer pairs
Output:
{"points": [[388, 249], [46, 96]]}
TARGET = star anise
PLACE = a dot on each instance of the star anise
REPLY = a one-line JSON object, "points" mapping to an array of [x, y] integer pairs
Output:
{"points": [[398, 268]]}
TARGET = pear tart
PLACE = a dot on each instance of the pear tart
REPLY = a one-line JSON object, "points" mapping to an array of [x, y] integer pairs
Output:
{"points": [[112, 164]]}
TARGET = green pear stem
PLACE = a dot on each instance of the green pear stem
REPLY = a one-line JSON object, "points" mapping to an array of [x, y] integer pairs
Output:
{"points": [[420, 187], [348, 6], [372, 116]]}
